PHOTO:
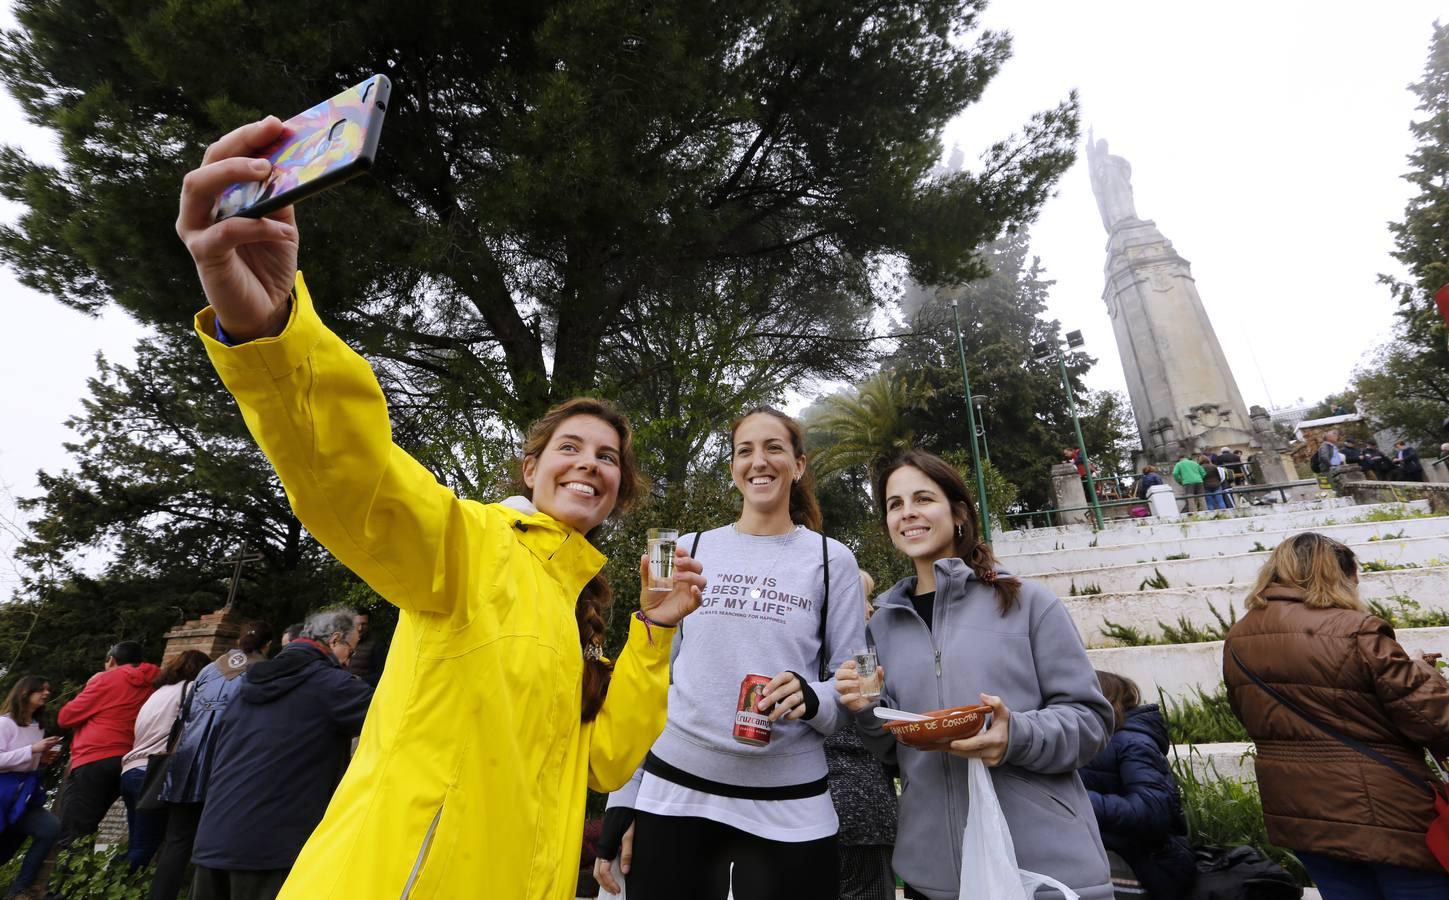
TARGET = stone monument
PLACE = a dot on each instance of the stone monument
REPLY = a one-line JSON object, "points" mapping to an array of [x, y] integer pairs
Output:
{"points": [[1183, 394]]}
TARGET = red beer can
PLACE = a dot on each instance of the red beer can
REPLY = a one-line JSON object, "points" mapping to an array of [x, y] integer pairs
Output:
{"points": [[751, 725]]}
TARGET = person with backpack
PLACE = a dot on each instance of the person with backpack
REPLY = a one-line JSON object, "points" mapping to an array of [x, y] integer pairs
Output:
{"points": [[1327, 455], [1340, 716], [712, 814], [963, 632], [1212, 483], [1135, 796]]}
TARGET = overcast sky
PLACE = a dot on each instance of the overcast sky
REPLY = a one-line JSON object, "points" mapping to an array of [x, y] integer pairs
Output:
{"points": [[1267, 141]]}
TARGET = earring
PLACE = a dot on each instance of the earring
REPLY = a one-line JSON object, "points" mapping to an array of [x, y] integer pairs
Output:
{"points": [[958, 531]]}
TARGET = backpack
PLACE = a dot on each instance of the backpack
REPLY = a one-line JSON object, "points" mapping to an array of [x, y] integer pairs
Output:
{"points": [[1241, 873], [1316, 463]]}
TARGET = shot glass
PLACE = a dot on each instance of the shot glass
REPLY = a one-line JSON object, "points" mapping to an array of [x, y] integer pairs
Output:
{"points": [[661, 558], [865, 667]]}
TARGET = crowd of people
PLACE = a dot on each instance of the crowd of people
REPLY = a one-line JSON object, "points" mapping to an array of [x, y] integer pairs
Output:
{"points": [[497, 707]]}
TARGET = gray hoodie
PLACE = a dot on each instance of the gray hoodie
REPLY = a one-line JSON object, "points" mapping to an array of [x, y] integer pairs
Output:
{"points": [[1034, 660]]}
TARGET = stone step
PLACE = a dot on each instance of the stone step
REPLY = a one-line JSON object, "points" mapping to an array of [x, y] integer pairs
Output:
{"points": [[1429, 587], [1333, 511], [1200, 545], [1236, 569], [1176, 670], [1213, 761]]}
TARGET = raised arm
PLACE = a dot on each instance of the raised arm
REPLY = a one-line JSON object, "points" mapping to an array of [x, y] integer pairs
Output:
{"points": [[313, 405]]}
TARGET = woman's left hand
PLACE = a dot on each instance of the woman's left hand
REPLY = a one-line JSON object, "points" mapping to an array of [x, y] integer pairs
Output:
{"points": [[784, 697], [670, 608], [989, 746]]}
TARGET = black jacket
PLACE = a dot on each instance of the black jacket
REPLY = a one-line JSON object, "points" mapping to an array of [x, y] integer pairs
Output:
{"points": [[281, 748], [1139, 810]]}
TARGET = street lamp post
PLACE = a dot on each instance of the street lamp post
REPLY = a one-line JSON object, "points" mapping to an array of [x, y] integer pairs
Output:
{"points": [[1053, 349], [971, 425], [979, 401]]}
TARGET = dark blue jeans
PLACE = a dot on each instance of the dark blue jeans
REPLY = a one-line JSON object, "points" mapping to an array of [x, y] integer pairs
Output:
{"points": [[1339, 879], [146, 827], [43, 829]]}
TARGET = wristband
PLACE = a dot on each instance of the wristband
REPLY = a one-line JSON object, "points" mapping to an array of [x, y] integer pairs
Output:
{"points": [[811, 701], [649, 624]]}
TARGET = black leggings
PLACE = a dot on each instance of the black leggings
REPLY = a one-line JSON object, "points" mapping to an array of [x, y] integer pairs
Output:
{"points": [[684, 856]]}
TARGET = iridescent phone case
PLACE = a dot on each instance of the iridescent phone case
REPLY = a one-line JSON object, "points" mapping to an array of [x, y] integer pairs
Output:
{"points": [[326, 145]]}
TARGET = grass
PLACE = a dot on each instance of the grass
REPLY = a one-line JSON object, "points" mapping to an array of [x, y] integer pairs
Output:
{"points": [[1402, 611], [1178, 556], [1259, 548], [1202, 718], [1228, 812], [1379, 565], [1395, 513], [1391, 536], [1086, 590], [1157, 582], [1184, 631]]}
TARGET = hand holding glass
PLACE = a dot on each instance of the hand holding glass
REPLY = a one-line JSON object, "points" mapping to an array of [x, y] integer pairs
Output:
{"points": [[661, 558], [865, 667]]}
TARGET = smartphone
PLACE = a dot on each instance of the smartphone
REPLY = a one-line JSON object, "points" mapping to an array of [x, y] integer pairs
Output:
{"points": [[326, 145]]}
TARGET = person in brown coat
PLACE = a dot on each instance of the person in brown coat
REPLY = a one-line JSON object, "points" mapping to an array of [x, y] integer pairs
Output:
{"points": [[1357, 825]]}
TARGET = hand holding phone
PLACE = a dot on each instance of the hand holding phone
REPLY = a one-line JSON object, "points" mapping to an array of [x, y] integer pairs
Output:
{"points": [[324, 146]]}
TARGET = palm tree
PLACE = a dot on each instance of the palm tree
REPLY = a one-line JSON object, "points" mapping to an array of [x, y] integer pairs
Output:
{"points": [[867, 424]]}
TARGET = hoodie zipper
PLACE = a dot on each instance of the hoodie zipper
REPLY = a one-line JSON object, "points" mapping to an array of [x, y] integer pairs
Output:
{"points": [[938, 617]]}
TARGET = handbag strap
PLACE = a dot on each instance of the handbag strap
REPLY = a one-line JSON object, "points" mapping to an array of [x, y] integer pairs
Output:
{"points": [[824, 605], [180, 716], [1351, 743]]}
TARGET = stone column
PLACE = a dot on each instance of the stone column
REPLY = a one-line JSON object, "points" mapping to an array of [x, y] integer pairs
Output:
{"points": [[211, 634], [1344, 474], [1068, 493]]}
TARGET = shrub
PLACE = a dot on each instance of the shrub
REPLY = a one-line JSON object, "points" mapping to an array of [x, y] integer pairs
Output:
{"points": [[1228, 812], [1401, 611], [1202, 718], [106, 874]]}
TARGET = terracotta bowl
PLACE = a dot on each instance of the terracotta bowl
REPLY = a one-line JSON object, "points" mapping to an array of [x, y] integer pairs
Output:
{"points": [[944, 726]]}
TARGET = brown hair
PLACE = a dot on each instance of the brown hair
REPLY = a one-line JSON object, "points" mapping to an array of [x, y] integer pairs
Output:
{"points": [[254, 636], [1121, 692], [804, 508], [1147, 469], [182, 667], [969, 547], [596, 597], [1322, 568], [15, 705]]}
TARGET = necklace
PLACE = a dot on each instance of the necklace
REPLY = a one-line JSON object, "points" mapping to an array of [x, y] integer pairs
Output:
{"points": [[789, 536]]}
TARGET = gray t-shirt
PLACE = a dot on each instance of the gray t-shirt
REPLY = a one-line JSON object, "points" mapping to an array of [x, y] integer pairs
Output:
{"points": [[760, 614]]}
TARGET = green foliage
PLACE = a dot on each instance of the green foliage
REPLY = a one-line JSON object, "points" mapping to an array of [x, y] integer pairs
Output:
{"points": [[1202, 718], [1379, 565], [1171, 556], [863, 426], [1259, 548], [1405, 389], [1394, 514], [1184, 631], [1087, 590], [1390, 536], [79, 872], [1224, 811], [1157, 582], [1421, 241], [1402, 611]]}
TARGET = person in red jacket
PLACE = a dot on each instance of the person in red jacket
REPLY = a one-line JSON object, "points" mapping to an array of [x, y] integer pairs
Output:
{"points": [[103, 719]]}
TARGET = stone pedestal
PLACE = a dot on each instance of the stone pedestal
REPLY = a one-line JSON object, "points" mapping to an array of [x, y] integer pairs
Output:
{"points": [[211, 634], [1162, 501], [1271, 467], [1068, 493], [1437, 472], [1339, 476]]}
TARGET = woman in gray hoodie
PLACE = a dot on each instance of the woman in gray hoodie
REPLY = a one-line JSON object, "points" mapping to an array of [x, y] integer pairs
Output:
{"points": [[962, 632]]}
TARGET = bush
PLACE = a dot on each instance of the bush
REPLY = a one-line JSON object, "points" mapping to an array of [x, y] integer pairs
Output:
{"points": [[99, 875], [1228, 812], [1202, 718]]}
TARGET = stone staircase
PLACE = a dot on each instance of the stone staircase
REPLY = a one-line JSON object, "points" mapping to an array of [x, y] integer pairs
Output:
{"points": [[1196, 571]]}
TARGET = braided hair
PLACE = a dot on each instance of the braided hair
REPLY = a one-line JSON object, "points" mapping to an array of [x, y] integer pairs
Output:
{"points": [[596, 597]]}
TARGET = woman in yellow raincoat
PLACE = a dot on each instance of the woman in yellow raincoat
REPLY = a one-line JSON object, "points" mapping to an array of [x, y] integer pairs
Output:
{"points": [[496, 710]]}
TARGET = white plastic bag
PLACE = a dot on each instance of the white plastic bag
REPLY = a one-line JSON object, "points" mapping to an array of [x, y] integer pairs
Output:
{"points": [[988, 857]]}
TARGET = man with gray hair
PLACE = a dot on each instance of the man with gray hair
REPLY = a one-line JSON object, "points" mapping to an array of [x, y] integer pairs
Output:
{"points": [[281, 749]]}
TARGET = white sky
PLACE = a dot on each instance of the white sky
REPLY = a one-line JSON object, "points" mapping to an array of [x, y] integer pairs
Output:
{"points": [[1267, 141]]}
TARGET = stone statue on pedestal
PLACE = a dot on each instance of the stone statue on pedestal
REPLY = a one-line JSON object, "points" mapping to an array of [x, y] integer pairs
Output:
{"points": [[1184, 396], [1111, 183]]}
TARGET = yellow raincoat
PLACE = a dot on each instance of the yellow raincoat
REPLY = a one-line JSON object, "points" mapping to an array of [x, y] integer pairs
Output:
{"points": [[469, 779]]}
